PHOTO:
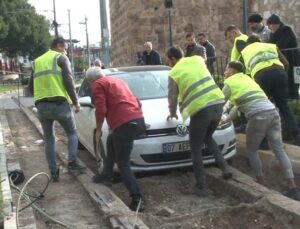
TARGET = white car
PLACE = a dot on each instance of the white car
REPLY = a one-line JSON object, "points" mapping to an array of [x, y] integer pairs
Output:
{"points": [[165, 144]]}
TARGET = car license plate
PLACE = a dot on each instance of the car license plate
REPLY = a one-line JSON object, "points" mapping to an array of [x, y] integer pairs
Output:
{"points": [[176, 147]]}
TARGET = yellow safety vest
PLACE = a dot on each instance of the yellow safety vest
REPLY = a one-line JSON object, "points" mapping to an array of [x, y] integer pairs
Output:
{"points": [[48, 81], [235, 54], [258, 56], [197, 89], [244, 90]]}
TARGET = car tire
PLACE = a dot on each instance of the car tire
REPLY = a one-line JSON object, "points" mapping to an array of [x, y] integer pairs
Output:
{"points": [[99, 154], [80, 146]]}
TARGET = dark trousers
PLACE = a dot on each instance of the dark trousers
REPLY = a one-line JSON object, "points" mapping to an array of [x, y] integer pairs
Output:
{"points": [[202, 126], [119, 146], [274, 83]]}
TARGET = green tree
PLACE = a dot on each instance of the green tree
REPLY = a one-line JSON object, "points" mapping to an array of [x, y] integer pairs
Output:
{"points": [[22, 30]]}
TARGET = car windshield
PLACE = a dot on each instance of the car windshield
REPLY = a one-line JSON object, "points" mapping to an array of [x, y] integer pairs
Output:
{"points": [[146, 84]]}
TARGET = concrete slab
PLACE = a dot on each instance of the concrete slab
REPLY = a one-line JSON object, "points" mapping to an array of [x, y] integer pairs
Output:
{"points": [[268, 156]]}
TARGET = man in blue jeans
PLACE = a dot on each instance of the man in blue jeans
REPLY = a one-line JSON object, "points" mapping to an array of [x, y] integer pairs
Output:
{"points": [[53, 88], [263, 121]]}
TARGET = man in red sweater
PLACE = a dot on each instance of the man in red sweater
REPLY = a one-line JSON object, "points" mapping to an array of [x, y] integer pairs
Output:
{"points": [[114, 101]]}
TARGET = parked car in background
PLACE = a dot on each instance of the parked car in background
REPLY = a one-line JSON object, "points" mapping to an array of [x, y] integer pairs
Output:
{"points": [[165, 144]]}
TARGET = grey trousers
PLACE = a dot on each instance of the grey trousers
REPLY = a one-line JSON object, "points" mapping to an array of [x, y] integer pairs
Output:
{"points": [[266, 124]]}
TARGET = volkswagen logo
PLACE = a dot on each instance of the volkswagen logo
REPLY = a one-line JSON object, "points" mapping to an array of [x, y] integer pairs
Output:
{"points": [[182, 130]]}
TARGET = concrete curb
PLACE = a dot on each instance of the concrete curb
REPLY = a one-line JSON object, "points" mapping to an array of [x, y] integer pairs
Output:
{"points": [[246, 189], [9, 217], [117, 213], [9, 163], [292, 151]]}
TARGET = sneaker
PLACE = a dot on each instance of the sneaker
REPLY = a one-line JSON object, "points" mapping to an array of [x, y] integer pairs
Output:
{"points": [[100, 179], [137, 204], [293, 193], [201, 192], [74, 166], [55, 176], [296, 140]]}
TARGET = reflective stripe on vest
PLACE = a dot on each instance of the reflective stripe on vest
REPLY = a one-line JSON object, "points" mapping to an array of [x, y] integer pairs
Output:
{"points": [[258, 56], [48, 79], [197, 89], [235, 54], [244, 90], [53, 71]]}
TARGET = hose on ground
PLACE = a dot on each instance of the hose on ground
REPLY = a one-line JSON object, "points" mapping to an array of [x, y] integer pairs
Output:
{"points": [[31, 199]]}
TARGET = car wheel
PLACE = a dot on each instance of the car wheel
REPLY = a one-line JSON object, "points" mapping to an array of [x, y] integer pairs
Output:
{"points": [[99, 154], [80, 146]]}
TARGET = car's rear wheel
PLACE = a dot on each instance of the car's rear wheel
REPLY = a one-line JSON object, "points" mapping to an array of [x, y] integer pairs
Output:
{"points": [[99, 154]]}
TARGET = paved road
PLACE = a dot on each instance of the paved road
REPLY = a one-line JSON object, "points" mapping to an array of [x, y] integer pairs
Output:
{"points": [[6, 101]]}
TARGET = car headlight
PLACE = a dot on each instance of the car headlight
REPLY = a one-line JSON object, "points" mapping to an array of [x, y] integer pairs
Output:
{"points": [[225, 124]]}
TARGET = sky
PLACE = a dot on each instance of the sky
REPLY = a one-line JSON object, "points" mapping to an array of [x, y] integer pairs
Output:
{"points": [[78, 10]]}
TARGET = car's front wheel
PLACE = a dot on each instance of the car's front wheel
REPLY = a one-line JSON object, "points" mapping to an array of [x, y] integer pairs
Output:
{"points": [[99, 154]]}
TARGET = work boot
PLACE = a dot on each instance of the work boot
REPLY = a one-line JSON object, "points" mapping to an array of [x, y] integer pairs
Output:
{"points": [[55, 176], [137, 204], [293, 193], [74, 166], [226, 173], [201, 192], [101, 179]]}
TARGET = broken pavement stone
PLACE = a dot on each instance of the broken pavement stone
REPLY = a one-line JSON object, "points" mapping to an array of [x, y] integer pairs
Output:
{"points": [[167, 212]]}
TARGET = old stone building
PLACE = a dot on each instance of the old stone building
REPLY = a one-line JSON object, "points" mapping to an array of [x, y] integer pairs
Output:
{"points": [[136, 21]]}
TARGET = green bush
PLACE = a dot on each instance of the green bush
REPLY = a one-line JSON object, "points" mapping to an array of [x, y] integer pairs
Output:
{"points": [[295, 107]]}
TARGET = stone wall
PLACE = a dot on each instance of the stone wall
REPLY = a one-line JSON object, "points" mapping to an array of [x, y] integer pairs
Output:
{"points": [[135, 21]]}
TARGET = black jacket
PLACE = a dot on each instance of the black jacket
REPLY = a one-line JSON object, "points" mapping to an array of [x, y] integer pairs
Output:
{"points": [[285, 38], [152, 59]]}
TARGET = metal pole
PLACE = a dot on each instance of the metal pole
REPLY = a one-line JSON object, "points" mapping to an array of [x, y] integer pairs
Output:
{"points": [[87, 43], [71, 44], [245, 14], [104, 34], [170, 28], [55, 22]]}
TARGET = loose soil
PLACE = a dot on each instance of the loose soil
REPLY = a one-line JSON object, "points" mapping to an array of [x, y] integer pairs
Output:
{"points": [[66, 201], [160, 189]]}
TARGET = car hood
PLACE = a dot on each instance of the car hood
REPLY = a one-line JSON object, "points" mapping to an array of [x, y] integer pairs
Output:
{"points": [[156, 112]]}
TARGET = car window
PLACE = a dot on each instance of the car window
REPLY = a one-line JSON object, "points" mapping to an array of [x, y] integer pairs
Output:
{"points": [[85, 89], [146, 84]]}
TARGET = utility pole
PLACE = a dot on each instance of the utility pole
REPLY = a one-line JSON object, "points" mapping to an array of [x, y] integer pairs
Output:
{"points": [[245, 16], [54, 21], [104, 34], [87, 40], [71, 44], [169, 5]]}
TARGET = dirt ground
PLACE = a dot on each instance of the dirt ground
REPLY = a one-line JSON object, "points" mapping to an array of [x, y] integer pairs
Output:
{"points": [[66, 201], [163, 192]]}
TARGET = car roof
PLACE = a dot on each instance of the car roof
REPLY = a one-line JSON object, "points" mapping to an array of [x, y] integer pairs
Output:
{"points": [[136, 69]]}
